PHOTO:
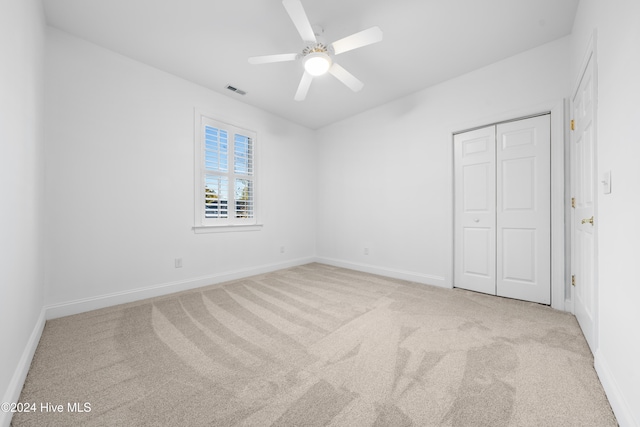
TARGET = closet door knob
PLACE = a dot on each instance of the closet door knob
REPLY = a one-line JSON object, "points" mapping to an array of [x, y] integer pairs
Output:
{"points": [[476, 220]]}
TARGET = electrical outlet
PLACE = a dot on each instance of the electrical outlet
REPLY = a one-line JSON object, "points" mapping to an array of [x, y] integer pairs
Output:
{"points": [[178, 262], [281, 249], [366, 251]]}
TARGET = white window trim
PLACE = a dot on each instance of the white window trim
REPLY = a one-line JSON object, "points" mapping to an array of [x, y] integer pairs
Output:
{"points": [[231, 224]]}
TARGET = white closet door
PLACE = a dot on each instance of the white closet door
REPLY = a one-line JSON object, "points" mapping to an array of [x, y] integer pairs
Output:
{"points": [[523, 150], [475, 215]]}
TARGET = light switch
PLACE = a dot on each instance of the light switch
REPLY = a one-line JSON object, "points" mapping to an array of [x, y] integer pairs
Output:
{"points": [[606, 182]]}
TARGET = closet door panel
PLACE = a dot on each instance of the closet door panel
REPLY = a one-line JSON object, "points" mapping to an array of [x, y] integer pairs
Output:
{"points": [[475, 215], [523, 209]]}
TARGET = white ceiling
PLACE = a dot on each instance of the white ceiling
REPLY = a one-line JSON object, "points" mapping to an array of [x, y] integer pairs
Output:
{"points": [[208, 42]]}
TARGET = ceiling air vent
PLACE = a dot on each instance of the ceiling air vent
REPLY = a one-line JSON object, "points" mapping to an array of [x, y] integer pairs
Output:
{"points": [[236, 90]]}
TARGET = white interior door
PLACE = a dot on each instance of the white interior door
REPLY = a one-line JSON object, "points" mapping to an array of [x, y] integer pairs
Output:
{"points": [[583, 253], [502, 214], [523, 205], [475, 214]]}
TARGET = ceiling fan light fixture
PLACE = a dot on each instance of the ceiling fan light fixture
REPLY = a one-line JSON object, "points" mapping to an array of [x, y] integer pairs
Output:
{"points": [[316, 56], [317, 63]]}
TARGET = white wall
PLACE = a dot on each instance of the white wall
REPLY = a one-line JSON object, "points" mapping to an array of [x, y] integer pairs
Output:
{"points": [[21, 190], [385, 176], [120, 189], [618, 150]]}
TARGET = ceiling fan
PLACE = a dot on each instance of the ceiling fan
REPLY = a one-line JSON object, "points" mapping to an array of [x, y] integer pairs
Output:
{"points": [[316, 55]]}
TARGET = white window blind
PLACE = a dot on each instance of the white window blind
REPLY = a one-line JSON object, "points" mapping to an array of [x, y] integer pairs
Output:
{"points": [[225, 165]]}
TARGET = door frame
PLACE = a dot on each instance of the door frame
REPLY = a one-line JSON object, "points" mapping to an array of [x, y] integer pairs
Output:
{"points": [[560, 203]]}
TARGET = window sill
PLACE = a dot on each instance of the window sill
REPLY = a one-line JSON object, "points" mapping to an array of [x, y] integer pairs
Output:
{"points": [[202, 229]]}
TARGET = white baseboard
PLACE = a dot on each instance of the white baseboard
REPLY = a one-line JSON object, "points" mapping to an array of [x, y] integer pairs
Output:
{"points": [[411, 276], [69, 308], [620, 406], [20, 373]]}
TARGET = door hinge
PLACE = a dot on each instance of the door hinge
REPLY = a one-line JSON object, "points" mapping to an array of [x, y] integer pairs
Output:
{"points": [[573, 202], [573, 280], [573, 124]]}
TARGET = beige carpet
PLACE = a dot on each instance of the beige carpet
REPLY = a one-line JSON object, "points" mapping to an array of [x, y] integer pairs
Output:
{"points": [[315, 346]]}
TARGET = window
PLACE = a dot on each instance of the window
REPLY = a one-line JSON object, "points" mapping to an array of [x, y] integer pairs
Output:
{"points": [[225, 175]]}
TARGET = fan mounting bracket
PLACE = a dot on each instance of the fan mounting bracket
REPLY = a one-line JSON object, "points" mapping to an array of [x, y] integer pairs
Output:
{"points": [[317, 48]]}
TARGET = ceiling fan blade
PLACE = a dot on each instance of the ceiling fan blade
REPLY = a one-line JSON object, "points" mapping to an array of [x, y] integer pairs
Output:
{"points": [[346, 77], [266, 59], [299, 17], [303, 87], [360, 39]]}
